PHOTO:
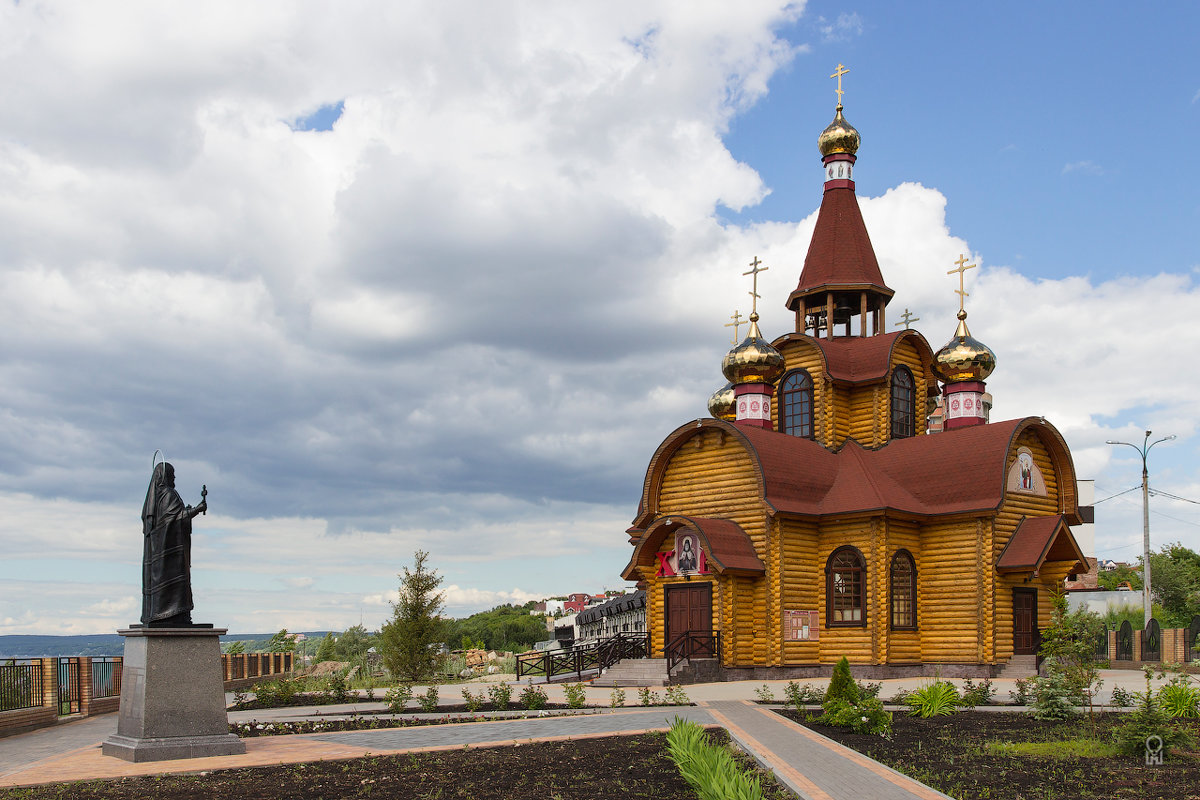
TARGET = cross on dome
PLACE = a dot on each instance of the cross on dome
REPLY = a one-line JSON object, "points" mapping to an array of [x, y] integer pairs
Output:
{"points": [[963, 266], [906, 319], [754, 295], [737, 321], [838, 74]]}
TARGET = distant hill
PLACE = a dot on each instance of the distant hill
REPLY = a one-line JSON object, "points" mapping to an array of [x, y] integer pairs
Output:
{"points": [[97, 644]]}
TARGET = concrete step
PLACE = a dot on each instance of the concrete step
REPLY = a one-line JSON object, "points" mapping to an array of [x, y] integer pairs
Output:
{"points": [[635, 672], [1024, 666]]}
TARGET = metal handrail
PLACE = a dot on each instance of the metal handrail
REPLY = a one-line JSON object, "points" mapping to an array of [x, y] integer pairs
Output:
{"points": [[597, 655], [692, 644]]}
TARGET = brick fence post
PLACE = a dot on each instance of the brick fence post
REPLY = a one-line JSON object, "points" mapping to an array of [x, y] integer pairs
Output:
{"points": [[85, 685], [50, 683], [1137, 645]]}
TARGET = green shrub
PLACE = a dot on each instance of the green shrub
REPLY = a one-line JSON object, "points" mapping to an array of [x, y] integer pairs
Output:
{"points": [[842, 685], [865, 716], [709, 769], [676, 696], [533, 698], [1180, 700], [937, 699], [1121, 697], [764, 694], [576, 695], [429, 701], [338, 692], [397, 697], [616, 698], [500, 694], [1024, 691], [869, 689], [1150, 720], [1054, 697], [799, 696], [976, 694], [647, 697], [474, 701]]}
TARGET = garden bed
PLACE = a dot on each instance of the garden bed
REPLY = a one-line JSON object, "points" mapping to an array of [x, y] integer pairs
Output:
{"points": [[963, 756]]}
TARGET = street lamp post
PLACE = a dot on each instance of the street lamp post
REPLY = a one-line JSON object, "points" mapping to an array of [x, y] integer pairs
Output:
{"points": [[1144, 451]]}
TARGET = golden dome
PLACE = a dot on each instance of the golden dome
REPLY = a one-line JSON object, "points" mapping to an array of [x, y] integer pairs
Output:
{"points": [[721, 404], [754, 360], [839, 137], [963, 358]]}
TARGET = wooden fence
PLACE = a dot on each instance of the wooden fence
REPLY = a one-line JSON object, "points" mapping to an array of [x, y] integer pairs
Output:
{"points": [[39, 692]]}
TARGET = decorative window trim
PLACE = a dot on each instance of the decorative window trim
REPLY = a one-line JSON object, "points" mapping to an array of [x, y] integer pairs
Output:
{"points": [[902, 426], [836, 613], [906, 557], [781, 404]]}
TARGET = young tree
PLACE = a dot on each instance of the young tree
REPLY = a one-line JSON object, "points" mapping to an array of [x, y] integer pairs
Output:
{"points": [[281, 642], [408, 642], [235, 648], [353, 644], [325, 650]]}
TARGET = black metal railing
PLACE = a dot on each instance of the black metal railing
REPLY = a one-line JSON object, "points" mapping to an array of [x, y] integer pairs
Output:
{"points": [[1152, 641], [582, 658], [106, 677], [70, 693], [1192, 642], [692, 644], [20, 685], [1100, 653]]}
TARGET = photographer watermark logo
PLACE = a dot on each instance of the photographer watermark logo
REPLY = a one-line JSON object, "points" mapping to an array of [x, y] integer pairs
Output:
{"points": [[1154, 750]]}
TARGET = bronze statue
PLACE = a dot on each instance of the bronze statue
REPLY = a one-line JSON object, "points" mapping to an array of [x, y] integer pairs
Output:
{"points": [[167, 551]]}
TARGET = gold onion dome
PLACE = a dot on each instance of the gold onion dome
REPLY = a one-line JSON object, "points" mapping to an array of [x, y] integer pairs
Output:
{"points": [[963, 358], [754, 360], [839, 137], [721, 404]]}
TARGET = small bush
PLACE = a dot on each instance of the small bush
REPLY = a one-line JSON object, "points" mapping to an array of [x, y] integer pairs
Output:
{"points": [[576, 695], [429, 701], [842, 685], [764, 694], [338, 692], [616, 698], [1053, 696], [397, 697], [1024, 691], [976, 694], [533, 698], [937, 699], [676, 696], [371, 694], [1150, 720], [800, 696], [865, 716], [869, 689], [1122, 697], [474, 701], [647, 697], [499, 694]]}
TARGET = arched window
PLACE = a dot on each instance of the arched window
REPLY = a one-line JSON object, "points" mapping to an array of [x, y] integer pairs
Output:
{"points": [[845, 595], [904, 404], [904, 591], [795, 404]]}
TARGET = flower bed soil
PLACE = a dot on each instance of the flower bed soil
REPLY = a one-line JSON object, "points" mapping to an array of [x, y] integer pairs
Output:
{"points": [[948, 753], [609, 768]]}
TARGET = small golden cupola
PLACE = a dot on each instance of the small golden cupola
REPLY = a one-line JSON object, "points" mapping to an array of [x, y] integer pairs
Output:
{"points": [[963, 364], [839, 137], [753, 367], [721, 404]]}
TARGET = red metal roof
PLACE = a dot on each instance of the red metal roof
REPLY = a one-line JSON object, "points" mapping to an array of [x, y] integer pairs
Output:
{"points": [[1037, 540], [727, 547], [840, 253]]}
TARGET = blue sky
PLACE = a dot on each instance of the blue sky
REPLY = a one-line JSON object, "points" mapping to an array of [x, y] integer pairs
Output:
{"points": [[401, 277]]}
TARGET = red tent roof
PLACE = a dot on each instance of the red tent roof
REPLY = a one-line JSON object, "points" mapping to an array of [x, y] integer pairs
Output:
{"points": [[840, 254]]}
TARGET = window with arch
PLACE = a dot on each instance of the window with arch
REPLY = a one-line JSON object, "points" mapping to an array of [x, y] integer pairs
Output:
{"points": [[795, 404], [845, 596], [904, 591], [904, 404]]}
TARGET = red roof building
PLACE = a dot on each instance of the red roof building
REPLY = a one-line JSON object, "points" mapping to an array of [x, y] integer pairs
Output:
{"points": [[814, 516]]}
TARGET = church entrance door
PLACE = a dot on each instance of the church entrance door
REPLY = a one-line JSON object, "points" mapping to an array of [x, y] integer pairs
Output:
{"points": [[1024, 622], [689, 610]]}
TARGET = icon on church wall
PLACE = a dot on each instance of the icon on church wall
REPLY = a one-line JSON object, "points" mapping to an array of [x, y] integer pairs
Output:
{"points": [[1024, 474], [688, 553]]}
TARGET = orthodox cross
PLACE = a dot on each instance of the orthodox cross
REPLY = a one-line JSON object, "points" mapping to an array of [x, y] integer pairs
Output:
{"points": [[963, 266], [737, 321], [838, 74], [907, 318], [754, 295]]}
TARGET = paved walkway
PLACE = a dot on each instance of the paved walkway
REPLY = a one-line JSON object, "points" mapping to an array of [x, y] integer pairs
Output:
{"points": [[815, 767]]}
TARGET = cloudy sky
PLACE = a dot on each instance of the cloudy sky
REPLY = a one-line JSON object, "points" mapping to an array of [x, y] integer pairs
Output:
{"points": [[442, 275]]}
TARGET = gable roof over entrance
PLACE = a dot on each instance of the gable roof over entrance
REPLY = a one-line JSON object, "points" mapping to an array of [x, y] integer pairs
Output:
{"points": [[1038, 540], [727, 546]]}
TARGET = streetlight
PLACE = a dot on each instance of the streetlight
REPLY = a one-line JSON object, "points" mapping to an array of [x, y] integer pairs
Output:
{"points": [[1144, 451]]}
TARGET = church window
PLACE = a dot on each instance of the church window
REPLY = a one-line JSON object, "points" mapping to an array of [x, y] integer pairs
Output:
{"points": [[796, 404], [904, 591], [845, 576], [904, 405]]}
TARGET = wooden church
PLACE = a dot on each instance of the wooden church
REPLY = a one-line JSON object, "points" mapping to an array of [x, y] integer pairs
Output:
{"points": [[813, 516]]}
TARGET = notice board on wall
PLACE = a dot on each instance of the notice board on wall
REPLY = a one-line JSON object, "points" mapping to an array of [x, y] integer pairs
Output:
{"points": [[801, 626]]}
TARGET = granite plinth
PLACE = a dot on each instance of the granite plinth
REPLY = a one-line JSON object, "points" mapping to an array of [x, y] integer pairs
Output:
{"points": [[172, 697]]}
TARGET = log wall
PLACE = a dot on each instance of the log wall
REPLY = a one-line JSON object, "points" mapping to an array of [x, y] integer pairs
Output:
{"points": [[903, 647]]}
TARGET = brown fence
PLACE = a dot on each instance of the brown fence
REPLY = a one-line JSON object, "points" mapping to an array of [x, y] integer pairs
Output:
{"points": [[38, 692]]}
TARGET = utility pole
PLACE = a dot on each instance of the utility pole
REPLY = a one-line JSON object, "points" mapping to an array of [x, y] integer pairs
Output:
{"points": [[1144, 451]]}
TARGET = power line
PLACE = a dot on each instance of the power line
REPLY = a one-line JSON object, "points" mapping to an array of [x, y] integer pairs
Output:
{"points": [[1118, 494], [1173, 496]]}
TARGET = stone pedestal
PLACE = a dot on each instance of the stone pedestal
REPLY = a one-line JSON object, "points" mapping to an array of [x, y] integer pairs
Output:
{"points": [[172, 697]]}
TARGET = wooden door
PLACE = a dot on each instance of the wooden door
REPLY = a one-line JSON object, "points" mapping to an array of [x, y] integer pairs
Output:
{"points": [[1024, 622], [689, 608]]}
